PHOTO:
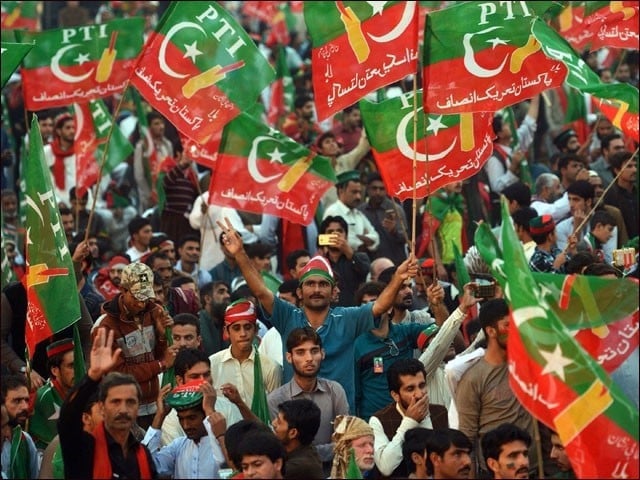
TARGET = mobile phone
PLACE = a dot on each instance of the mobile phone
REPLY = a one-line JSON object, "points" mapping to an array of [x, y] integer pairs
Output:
{"points": [[325, 239], [485, 288]]}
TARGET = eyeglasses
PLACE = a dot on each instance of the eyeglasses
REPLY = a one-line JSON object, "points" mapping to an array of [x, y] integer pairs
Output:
{"points": [[394, 351]]}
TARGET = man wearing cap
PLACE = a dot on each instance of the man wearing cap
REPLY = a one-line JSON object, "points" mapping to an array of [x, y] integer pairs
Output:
{"points": [[547, 258], [237, 364], [61, 156], [49, 397], [362, 235], [567, 141], [338, 327], [139, 325], [352, 434], [197, 454], [107, 281]]}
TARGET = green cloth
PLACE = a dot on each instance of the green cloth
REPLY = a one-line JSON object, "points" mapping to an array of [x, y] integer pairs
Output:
{"points": [[259, 405]]}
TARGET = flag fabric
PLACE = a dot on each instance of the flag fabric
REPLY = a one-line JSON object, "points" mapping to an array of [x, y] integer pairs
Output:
{"points": [[457, 146], [258, 10], [93, 124], [259, 405], [203, 154], [359, 47], [281, 91], [612, 24], [19, 460], [557, 381], [281, 23], [261, 170], [620, 100], [50, 279], [79, 365], [43, 423], [353, 471], [200, 68], [21, 15], [462, 274], [490, 58], [570, 24], [12, 55], [78, 64]]}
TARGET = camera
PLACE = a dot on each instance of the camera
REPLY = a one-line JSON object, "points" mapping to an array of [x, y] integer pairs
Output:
{"points": [[485, 287], [326, 239]]}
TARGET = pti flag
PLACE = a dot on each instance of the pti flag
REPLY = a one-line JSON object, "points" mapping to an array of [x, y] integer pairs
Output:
{"points": [[558, 382], [281, 102], [50, 281], [618, 101], [93, 124], [12, 55], [570, 24], [450, 148], [612, 24], [200, 69], [22, 15], [204, 154], [261, 170], [480, 57], [359, 47], [78, 64]]}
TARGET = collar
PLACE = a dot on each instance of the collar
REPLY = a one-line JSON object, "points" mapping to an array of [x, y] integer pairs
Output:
{"points": [[131, 440], [226, 355], [296, 390]]}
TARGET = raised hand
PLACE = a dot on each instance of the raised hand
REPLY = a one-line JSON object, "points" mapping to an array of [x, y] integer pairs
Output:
{"points": [[468, 299], [231, 239], [418, 409], [102, 358], [208, 398]]}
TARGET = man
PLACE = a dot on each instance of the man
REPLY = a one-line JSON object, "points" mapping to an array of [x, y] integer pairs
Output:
{"points": [[567, 141], [518, 195], [227, 269], [506, 451], [547, 257], [387, 218], [624, 194], [176, 300], [569, 167], [197, 454], [185, 331], [351, 433], [81, 213], [610, 144], [260, 255], [351, 266], [108, 279], [139, 324], [407, 380], [521, 221], [20, 463], [262, 456], [237, 363], [189, 254], [560, 457], [50, 396], [15, 398], [362, 236], [338, 327], [148, 158], [414, 452], [111, 450], [549, 199], [296, 261], [193, 365], [299, 124], [214, 297], [305, 355], [449, 454], [349, 131], [61, 157], [483, 397], [598, 190], [296, 425], [140, 232]]}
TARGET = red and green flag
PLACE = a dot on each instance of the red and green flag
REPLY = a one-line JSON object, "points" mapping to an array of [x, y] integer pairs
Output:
{"points": [[260, 10], [200, 68], [261, 170], [570, 24], [282, 22], [20, 459], [450, 148], [93, 124], [359, 47], [11, 56], [490, 58], [22, 15], [612, 24], [281, 91], [619, 101], [203, 154], [78, 64], [557, 381], [50, 280]]}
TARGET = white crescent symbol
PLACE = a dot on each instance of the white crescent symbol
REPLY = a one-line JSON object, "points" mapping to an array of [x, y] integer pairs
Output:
{"points": [[405, 20], [162, 53], [65, 77], [79, 120], [407, 150], [469, 59], [252, 164]]}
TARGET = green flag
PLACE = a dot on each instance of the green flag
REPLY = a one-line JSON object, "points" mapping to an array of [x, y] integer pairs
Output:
{"points": [[259, 405], [50, 279], [169, 376], [19, 461], [281, 90], [21, 15], [462, 273], [79, 366], [353, 471], [12, 55]]}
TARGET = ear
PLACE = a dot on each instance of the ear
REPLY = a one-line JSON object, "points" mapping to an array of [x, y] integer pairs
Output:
{"points": [[417, 459], [492, 463], [299, 292], [323, 353], [435, 459], [278, 464], [289, 357], [395, 396], [293, 433]]}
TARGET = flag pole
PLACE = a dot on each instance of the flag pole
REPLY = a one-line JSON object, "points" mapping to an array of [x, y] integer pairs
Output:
{"points": [[597, 204], [104, 161], [414, 206]]}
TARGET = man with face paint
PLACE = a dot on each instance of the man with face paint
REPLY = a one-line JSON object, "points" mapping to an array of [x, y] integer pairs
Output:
{"points": [[506, 450], [483, 398]]}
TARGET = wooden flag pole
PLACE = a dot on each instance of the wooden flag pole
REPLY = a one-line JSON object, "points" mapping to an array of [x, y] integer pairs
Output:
{"points": [[414, 209]]}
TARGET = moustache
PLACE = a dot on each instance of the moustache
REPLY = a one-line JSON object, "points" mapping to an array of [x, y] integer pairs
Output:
{"points": [[123, 416], [522, 470]]}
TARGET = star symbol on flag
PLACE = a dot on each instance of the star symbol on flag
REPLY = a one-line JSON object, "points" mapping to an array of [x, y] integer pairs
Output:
{"points": [[435, 124], [81, 58], [556, 362], [191, 51], [276, 155], [56, 413], [496, 41], [377, 7]]}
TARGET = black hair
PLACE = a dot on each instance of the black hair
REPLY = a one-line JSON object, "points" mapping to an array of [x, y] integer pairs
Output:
{"points": [[236, 433], [565, 158], [441, 440], [117, 379], [496, 124], [153, 115], [181, 280], [606, 140], [601, 269], [289, 286], [187, 319], [519, 192], [523, 216], [12, 382], [137, 223], [292, 257], [618, 159], [304, 415], [258, 250], [333, 219], [415, 441], [583, 189], [579, 262], [188, 238], [602, 217], [186, 358], [403, 366], [298, 336], [387, 274], [262, 443], [491, 312], [368, 288], [493, 440]]}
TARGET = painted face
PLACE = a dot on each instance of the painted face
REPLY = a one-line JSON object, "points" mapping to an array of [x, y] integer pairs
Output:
{"points": [[185, 336], [306, 359], [260, 466], [502, 332], [363, 450], [513, 461], [120, 408]]}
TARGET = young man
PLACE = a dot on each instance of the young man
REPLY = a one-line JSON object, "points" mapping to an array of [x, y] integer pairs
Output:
{"points": [[189, 256], [112, 449], [602, 230], [140, 232], [296, 425], [506, 451], [197, 454], [61, 156], [449, 454], [237, 363], [547, 258], [262, 456], [340, 326], [624, 194], [352, 433], [569, 167], [305, 355], [414, 452], [560, 457], [296, 261], [214, 297]]}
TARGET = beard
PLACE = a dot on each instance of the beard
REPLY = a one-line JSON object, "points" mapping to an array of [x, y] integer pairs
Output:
{"points": [[303, 374]]}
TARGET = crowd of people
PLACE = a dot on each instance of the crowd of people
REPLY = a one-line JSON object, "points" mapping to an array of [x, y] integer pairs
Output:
{"points": [[223, 343]]}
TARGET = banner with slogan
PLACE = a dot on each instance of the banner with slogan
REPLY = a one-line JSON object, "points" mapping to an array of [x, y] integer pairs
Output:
{"points": [[79, 64]]}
